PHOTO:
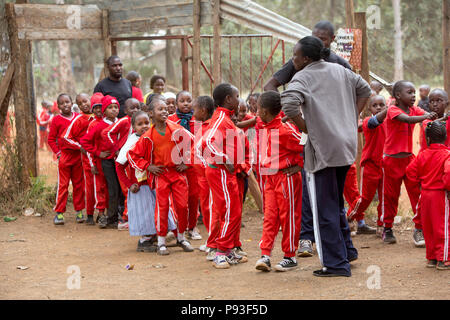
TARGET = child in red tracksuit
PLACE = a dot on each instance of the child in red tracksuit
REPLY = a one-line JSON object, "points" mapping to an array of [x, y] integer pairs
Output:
{"points": [[220, 151], [431, 169], [203, 110], [184, 117], [69, 162], [281, 164], [72, 136], [438, 102], [163, 151], [43, 122], [114, 138], [374, 129], [96, 191], [400, 121], [93, 143]]}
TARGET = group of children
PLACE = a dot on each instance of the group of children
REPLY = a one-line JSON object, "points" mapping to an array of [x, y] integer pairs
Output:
{"points": [[173, 157]]}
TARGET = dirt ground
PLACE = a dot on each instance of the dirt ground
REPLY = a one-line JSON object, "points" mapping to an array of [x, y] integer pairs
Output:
{"points": [[49, 252]]}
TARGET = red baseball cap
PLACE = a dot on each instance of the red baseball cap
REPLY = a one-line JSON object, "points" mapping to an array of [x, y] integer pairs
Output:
{"points": [[96, 100], [107, 101]]}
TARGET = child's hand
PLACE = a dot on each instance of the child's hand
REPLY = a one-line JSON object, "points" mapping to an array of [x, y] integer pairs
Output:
{"points": [[104, 154], [290, 171], [117, 153], [432, 115], [94, 170], [229, 167], [135, 188], [155, 170], [182, 167]]}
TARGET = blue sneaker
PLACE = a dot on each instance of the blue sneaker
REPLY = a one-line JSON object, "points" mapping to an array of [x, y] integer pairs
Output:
{"points": [[59, 219]]}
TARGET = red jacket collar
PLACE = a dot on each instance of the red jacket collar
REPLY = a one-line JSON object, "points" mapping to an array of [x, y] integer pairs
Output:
{"points": [[438, 146], [275, 123], [228, 112]]}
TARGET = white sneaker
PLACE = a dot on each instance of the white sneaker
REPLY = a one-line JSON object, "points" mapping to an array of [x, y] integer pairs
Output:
{"points": [[122, 226], [221, 262], [203, 248], [211, 254], [194, 234], [170, 236]]}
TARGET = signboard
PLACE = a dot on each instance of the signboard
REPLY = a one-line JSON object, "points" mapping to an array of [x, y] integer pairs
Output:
{"points": [[349, 46]]}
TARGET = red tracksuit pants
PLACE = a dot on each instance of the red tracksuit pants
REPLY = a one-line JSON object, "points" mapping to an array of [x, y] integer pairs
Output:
{"points": [[351, 192], [436, 223], [43, 136], [96, 190], [70, 168], [171, 185], [283, 207], [125, 194], [193, 197], [205, 197], [371, 181], [226, 209], [394, 173]]}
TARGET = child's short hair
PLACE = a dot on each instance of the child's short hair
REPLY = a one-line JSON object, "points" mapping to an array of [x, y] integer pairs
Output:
{"points": [[254, 95], [152, 96], [136, 115], [206, 103], [180, 93], [158, 98], [271, 101], [436, 131], [398, 86], [376, 96], [440, 92], [133, 76], [154, 78], [129, 100], [63, 94], [221, 92]]}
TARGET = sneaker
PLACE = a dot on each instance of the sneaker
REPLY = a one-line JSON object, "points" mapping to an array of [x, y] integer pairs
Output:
{"points": [[211, 254], [102, 221], [170, 236], [194, 234], [388, 236], [220, 262], [146, 246], [286, 264], [305, 249], [90, 220], [379, 232], [162, 250], [263, 264], [365, 229], [80, 217], [239, 251], [443, 265], [234, 258], [419, 240], [59, 219], [432, 263], [185, 245], [122, 226], [203, 248]]}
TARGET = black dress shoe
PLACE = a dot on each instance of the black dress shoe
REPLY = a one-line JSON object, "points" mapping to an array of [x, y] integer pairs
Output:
{"points": [[365, 229], [326, 273], [353, 258]]}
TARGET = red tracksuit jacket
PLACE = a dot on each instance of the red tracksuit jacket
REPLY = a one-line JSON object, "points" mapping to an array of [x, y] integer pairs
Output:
{"points": [[431, 169], [116, 134], [58, 126], [93, 142]]}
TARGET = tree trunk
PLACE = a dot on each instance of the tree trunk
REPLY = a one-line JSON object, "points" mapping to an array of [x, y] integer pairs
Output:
{"points": [[398, 56], [170, 69], [66, 80]]}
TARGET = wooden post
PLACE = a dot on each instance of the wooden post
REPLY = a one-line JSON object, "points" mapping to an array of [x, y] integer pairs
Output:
{"points": [[106, 43], [114, 48], [6, 87], [446, 42], [360, 23], [184, 64], [24, 104], [196, 51], [349, 14], [216, 43]]}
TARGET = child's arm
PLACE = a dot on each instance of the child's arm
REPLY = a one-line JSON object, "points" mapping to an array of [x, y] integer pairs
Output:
{"points": [[112, 134], [122, 175], [71, 135], [446, 177], [52, 136], [415, 119], [412, 171], [88, 143], [246, 123]]}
